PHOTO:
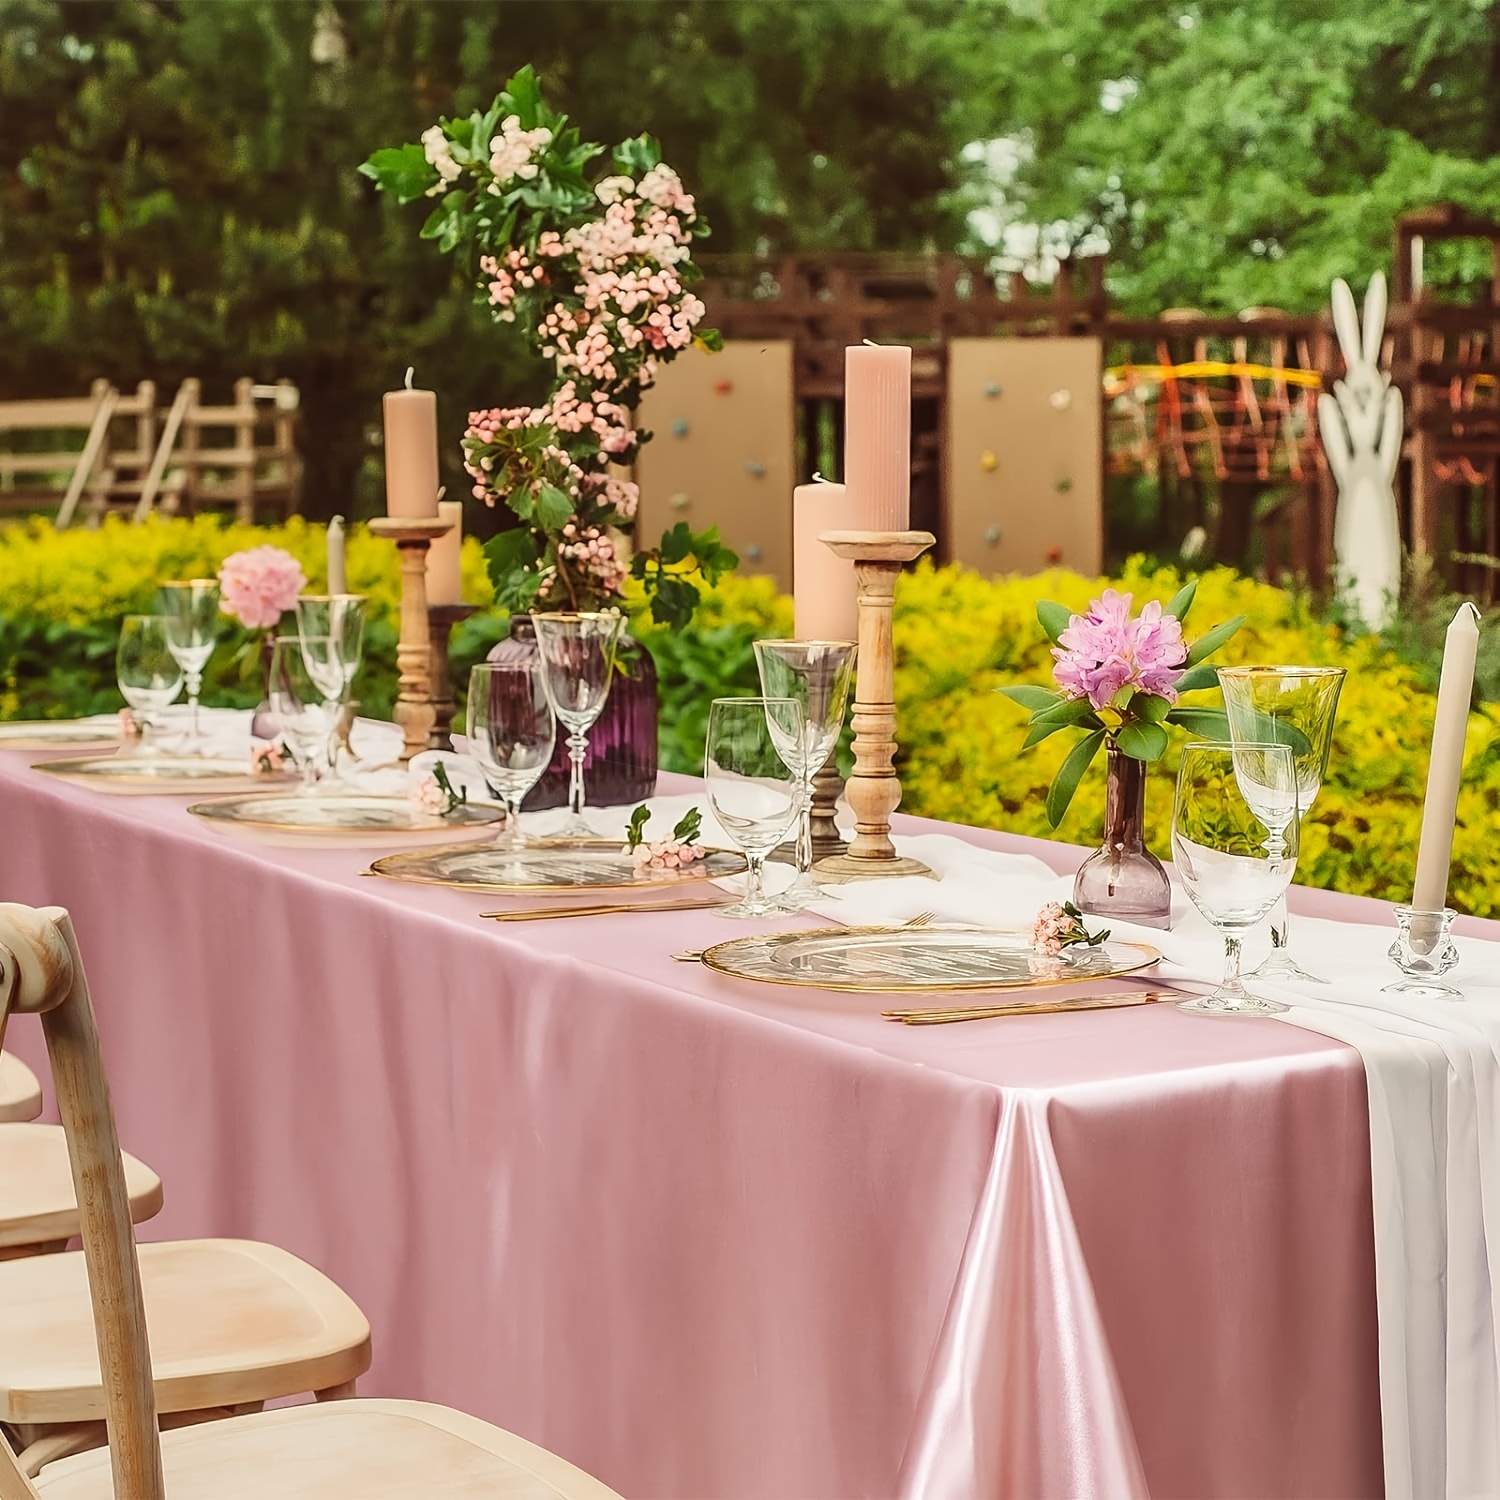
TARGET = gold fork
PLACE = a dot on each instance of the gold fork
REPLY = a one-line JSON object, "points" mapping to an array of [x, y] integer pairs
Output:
{"points": [[549, 913]]}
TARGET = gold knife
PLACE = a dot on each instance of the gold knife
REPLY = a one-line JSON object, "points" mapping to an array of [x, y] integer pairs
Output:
{"points": [[1111, 1001], [547, 913]]}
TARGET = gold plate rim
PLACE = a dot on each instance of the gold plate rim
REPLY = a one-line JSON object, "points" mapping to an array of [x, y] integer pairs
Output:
{"points": [[166, 784], [709, 961], [665, 880], [26, 734], [213, 812]]}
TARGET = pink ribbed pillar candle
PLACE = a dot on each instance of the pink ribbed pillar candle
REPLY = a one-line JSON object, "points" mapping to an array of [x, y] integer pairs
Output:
{"points": [[877, 434], [824, 591]]}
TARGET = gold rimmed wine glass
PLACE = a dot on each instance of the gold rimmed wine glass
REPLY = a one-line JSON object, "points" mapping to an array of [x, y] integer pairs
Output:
{"points": [[191, 608]]}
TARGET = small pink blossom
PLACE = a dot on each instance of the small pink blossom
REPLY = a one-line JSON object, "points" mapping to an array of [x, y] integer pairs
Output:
{"points": [[258, 586], [266, 757], [428, 797], [1048, 929]]}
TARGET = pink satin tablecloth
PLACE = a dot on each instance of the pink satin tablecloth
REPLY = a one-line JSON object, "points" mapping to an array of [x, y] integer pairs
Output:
{"points": [[707, 1238]]}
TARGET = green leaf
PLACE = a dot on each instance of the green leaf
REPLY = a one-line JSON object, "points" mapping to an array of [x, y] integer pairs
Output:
{"points": [[1150, 707], [1054, 618], [1070, 713], [635, 829], [1028, 695], [402, 171], [509, 555], [1195, 679], [1182, 600], [1142, 741], [1206, 645], [1203, 723], [553, 508], [1060, 793], [637, 156], [677, 544], [674, 602]]}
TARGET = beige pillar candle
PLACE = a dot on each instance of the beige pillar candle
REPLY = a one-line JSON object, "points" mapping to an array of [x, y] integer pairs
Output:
{"points": [[824, 591], [338, 578], [877, 435], [411, 452], [1445, 767], [445, 584]]}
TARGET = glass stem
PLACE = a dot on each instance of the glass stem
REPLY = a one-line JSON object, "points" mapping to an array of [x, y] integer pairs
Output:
{"points": [[1232, 988], [1279, 921], [578, 744], [194, 683], [804, 829], [754, 890]]}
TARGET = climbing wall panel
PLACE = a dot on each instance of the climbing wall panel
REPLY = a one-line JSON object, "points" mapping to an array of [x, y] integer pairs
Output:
{"points": [[724, 451], [1023, 446]]}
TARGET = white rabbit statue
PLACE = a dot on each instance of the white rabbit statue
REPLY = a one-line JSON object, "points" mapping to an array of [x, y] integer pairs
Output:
{"points": [[1362, 428]]}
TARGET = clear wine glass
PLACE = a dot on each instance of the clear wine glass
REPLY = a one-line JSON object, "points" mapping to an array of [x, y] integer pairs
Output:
{"points": [[149, 674], [578, 661], [191, 609], [1234, 841], [1296, 707], [818, 674], [332, 627], [512, 730], [297, 701], [755, 793]]}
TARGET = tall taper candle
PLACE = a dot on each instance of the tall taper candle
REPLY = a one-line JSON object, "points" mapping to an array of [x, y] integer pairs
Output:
{"points": [[338, 578], [411, 452], [1445, 768], [445, 584], [824, 590], [877, 435]]}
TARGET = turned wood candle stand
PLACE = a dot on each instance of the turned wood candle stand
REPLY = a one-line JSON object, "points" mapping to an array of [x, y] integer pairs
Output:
{"points": [[441, 618], [414, 708], [874, 790]]}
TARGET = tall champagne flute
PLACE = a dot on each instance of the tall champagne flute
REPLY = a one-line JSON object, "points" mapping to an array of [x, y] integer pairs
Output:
{"points": [[149, 675], [755, 793], [818, 674], [578, 661], [1296, 707], [191, 608], [332, 627], [1235, 850], [296, 700], [511, 730]]}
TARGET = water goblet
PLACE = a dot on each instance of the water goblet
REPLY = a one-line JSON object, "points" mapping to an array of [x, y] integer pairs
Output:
{"points": [[191, 608], [578, 661], [332, 628], [818, 674], [512, 730], [149, 674], [755, 793], [1296, 707], [1235, 849], [297, 701]]}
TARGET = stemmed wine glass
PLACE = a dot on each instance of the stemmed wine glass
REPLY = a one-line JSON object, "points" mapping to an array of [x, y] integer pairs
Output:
{"points": [[755, 793], [511, 730], [297, 701], [578, 661], [191, 609], [149, 674], [818, 674], [1296, 707], [332, 630], [1234, 840]]}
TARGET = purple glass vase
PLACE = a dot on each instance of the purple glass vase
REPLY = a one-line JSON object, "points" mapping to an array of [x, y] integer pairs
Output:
{"points": [[621, 763], [1124, 879]]}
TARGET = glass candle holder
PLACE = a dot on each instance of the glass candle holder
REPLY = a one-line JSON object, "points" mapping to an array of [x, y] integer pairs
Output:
{"points": [[1424, 950]]}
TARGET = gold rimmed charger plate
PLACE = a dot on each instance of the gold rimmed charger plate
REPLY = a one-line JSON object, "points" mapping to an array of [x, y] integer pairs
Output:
{"points": [[59, 734], [352, 820], [160, 775], [549, 867], [935, 960]]}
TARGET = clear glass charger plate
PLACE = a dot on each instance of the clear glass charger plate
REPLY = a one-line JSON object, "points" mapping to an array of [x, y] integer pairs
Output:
{"points": [[600, 865], [917, 960], [350, 820], [59, 734], [161, 775]]}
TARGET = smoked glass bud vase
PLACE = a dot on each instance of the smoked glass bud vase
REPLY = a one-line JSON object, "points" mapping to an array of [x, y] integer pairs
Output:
{"points": [[1123, 879]]}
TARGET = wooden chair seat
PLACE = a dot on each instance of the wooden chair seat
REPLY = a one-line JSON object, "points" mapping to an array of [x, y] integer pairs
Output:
{"points": [[20, 1093], [230, 1321], [37, 1205], [344, 1450]]}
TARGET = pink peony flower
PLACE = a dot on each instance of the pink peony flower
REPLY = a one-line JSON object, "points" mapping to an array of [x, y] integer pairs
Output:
{"points": [[258, 586], [1105, 650]]}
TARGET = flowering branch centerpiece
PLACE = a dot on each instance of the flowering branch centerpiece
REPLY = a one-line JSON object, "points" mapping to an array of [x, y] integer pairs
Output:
{"points": [[1119, 677], [597, 274]]}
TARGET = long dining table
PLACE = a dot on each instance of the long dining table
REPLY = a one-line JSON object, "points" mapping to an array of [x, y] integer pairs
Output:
{"points": [[709, 1238]]}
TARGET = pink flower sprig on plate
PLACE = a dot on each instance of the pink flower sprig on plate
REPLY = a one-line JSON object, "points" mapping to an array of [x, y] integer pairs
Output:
{"points": [[665, 854], [1059, 925], [1119, 677], [131, 728], [436, 795], [259, 585], [267, 757]]}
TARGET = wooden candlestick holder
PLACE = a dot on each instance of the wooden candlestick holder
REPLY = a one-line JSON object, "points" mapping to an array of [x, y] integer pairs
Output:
{"points": [[414, 710], [874, 790], [828, 787], [441, 618]]}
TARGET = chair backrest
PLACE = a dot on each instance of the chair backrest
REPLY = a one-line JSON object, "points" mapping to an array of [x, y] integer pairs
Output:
{"points": [[41, 972]]}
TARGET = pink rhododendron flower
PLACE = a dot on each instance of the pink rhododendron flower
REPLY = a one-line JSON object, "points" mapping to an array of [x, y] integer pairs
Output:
{"points": [[1105, 650], [258, 586]]}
